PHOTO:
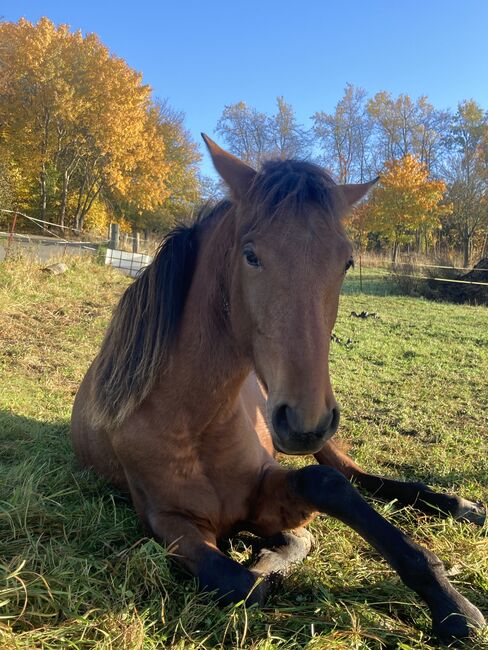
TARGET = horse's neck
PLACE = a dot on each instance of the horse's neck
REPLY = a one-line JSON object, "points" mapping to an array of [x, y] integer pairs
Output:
{"points": [[208, 359]]}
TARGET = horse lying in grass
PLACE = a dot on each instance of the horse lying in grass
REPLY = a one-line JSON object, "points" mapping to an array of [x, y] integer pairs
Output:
{"points": [[216, 356]]}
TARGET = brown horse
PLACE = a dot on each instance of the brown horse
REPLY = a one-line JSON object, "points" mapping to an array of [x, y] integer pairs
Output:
{"points": [[216, 356]]}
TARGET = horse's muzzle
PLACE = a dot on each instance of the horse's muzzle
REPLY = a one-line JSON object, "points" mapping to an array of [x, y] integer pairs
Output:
{"points": [[288, 437]]}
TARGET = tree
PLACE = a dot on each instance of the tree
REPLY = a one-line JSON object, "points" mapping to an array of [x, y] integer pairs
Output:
{"points": [[245, 131], [255, 137], [405, 203], [80, 123], [359, 223], [466, 170], [288, 139], [403, 126], [181, 182], [343, 136]]}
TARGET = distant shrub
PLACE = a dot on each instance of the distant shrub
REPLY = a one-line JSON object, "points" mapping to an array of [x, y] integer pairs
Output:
{"points": [[432, 281], [406, 280]]}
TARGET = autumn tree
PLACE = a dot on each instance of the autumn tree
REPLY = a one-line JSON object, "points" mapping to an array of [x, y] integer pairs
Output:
{"points": [[81, 126], [182, 182], [359, 223], [406, 203]]}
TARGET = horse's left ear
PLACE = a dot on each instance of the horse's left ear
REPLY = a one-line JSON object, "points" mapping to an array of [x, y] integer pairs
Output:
{"points": [[233, 171], [351, 193]]}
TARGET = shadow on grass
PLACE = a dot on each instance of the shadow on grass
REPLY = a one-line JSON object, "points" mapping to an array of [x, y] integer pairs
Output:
{"points": [[39, 447], [453, 480]]}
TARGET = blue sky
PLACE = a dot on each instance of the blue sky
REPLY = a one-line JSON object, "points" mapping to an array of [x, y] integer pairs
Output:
{"points": [[204, 55]]}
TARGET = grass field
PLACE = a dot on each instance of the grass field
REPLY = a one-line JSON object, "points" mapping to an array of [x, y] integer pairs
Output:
{"points": [[77, 571]]}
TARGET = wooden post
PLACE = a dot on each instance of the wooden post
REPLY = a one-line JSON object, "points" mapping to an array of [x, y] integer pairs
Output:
{"points": [[360, 273], [114, 236], [11, 235]]}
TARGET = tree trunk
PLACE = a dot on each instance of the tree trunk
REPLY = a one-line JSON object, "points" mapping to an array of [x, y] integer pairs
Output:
{"points": [[43, 175], [465, 251], [484, 253], [64, 199], [418, 241], [394, 253], [43, 198]]}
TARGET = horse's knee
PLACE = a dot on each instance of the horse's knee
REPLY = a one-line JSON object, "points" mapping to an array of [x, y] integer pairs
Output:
{"points": [[323, 487], [230, 581]]}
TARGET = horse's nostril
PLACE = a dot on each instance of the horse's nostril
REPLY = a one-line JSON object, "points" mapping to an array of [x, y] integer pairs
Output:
{"points": [[334, 423], [280, 419]]}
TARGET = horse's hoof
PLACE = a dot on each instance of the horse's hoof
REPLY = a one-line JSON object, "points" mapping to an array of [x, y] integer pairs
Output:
{"points": [[290, 547], [458, 625], [470, 511]]}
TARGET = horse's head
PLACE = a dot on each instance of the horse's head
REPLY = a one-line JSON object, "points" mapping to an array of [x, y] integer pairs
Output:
{"points": [[287, 264]]}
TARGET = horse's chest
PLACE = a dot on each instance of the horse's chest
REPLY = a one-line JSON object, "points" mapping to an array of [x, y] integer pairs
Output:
{"points": [[234, 483]]}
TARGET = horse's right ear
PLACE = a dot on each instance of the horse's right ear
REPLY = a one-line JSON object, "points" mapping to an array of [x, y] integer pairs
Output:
{"points": [[233, 171]]}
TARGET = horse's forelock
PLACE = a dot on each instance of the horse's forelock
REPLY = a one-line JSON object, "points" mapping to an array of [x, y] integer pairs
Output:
{"points": [[291, 186]]}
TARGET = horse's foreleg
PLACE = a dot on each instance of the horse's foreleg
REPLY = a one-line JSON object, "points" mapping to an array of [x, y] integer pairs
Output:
{"points": [[409, 493], [288, 498], [197, 550], [194, 546]]}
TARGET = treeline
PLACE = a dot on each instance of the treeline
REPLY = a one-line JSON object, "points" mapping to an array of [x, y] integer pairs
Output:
{"points": [[433, 163], [82, 142]]}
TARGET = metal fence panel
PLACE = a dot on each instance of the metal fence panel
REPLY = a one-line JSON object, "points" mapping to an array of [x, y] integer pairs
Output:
{"points": [[128, 263]]}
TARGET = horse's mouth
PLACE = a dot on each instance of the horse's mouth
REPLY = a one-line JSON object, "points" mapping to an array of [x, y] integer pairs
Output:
{"points": [[300, 444]]}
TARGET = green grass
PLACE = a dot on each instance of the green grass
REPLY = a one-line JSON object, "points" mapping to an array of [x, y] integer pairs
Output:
{"points": [[77, 570]]}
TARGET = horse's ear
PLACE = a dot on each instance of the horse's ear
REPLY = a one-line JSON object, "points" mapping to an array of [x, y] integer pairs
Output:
{"points": [[351, 193], [234, 172]]}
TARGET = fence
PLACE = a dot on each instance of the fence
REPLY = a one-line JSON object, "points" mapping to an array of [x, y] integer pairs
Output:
{"points": [[128, 263], [413, 276], [51, 245], [131, 263]]}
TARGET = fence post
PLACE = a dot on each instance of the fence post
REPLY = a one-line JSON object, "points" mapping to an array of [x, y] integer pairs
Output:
{"points": [[360, 273], [11, 235], [114, 236]]}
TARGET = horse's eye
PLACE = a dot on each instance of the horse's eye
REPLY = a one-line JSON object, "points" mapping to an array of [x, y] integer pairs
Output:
{"points": [[251, 258], [349, 265]]}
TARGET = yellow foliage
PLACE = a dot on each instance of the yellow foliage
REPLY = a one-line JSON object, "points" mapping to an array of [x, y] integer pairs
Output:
{"points": [[405, 200], [98, 219], [79, 123], [358, 224]]}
